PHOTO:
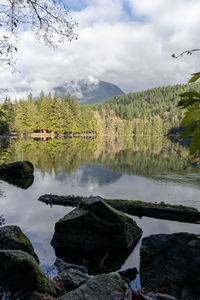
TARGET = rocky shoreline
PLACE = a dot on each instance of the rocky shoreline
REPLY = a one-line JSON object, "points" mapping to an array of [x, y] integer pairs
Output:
{"points": [[164, 273], [93, 241]]}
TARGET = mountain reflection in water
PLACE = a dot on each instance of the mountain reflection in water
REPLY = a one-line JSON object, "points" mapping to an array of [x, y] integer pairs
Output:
{"points": [[151, 169]]}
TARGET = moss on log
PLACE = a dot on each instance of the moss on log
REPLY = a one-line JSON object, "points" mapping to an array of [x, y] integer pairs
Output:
{"points": [[134, 207]]}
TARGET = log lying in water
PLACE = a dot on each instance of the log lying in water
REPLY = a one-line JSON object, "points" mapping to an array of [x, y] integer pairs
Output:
{"points": [[135, 208]]}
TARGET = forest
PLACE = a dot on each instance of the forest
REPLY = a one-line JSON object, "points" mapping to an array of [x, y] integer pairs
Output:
{"points": [[149, 112]]}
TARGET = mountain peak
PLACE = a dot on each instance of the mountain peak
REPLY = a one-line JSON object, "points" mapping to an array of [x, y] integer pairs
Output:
{"points": [[89, 90]]}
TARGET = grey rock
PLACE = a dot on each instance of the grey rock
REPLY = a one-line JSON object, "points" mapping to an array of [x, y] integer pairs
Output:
{"points": [[100, 287], [20, 272], [157, 296], [72, 278], [171, 263], [92, 231], [12, 238], [63, 266]]}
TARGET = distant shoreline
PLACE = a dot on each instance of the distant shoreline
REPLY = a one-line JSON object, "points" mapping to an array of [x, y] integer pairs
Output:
{"points": [[45, 135]]}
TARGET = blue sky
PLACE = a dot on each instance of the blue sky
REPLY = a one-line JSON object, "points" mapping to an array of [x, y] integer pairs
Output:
{"points": [[126, 42]]}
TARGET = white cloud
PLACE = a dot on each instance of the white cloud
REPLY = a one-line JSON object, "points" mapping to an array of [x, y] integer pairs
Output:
{"points": [[134, 53]]}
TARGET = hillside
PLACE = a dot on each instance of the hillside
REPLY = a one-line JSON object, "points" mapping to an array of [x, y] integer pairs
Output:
{"points": [[156, 101]]}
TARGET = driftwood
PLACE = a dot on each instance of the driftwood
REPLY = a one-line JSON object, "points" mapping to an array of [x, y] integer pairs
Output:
{"points": [[134, 207]]}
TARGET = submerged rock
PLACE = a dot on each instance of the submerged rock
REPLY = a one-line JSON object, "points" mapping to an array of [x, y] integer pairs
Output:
{"points": [[12, 238], [171, 263], [100, 287], [95, 235], [20, 272]]}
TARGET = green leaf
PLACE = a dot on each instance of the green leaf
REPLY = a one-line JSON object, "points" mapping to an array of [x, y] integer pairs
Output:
{"points": [[189, 131], [195, 144], [195, 77], [191, 116], [190, 94], [187, 102]]}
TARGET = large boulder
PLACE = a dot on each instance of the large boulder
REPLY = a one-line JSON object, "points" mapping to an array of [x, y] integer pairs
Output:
{"points": [[95, 235], [12, 238], [171, 263], [100, 287], [20, 272]]}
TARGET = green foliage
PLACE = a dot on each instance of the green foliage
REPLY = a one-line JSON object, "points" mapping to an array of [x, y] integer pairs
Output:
{"points": [[195, 77], [47, 114], [191, 101], [153, 111], [145, 104]]}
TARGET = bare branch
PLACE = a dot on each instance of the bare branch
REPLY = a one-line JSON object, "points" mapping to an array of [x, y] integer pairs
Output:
{"points": [[187, 52], [49, 20]]}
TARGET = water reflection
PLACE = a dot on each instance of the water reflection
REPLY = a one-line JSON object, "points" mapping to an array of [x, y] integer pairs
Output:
{"points": [[99, 261], [120, 168], [20, 182], [144, 157]]}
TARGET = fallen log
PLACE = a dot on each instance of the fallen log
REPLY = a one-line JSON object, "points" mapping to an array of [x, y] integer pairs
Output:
{"points": [[134, 207]]}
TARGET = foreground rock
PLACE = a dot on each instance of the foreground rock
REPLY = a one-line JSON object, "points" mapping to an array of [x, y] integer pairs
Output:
{"points": [[71, 279], [20, 273], [12, 238], [100, 287], [95, 235], [171, 263], [150, 296], [134, 207]]}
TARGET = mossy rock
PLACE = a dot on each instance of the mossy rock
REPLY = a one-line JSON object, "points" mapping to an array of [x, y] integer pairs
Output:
{"points": [[92, 230], [19, 168], [99, 287], [171, 263], [12, 238], [20, 272]]}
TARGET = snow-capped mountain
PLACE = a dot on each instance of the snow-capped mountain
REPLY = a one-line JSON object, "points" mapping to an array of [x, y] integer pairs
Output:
{"points": [[89, 90]]}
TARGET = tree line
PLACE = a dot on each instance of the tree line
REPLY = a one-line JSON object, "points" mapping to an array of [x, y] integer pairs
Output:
{"points": [[47, 114], [151, 112]]}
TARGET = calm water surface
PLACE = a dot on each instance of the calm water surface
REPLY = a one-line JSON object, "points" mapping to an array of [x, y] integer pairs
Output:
{"points": [[148, 169]]}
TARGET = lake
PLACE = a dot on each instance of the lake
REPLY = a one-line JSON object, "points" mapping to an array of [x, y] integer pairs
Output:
{"points": [[143, 168]]}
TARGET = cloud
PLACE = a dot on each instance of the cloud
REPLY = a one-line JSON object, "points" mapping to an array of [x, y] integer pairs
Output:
{"points": [[126, 42]]}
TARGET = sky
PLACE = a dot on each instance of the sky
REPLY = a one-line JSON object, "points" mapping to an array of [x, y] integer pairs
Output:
{"points": [[126, 42]]}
